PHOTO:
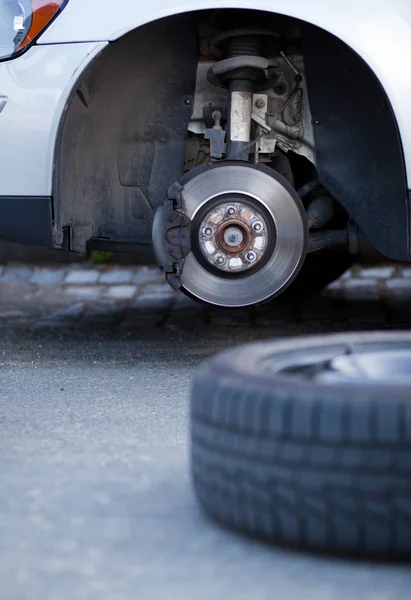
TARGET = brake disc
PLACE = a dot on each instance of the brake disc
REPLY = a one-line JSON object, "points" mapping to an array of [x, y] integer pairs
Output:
{"points": [[248, 234]]}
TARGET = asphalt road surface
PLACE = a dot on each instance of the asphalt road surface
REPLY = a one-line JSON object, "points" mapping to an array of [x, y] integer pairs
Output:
{"points": [[95, 494]]}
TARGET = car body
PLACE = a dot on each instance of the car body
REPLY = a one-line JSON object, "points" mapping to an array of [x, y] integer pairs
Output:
{"points": [[96, 109]]}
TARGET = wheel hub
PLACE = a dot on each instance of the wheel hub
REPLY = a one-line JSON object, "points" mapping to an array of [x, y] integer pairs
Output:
{"points": [[233, 236]]}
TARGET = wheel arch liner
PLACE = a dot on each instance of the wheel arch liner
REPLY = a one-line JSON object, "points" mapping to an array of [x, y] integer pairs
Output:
{"points": [[122, 141], [358, 146]]}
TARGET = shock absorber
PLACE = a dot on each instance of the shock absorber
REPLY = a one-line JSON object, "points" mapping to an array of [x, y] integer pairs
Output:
{"points": [[242, 70]]}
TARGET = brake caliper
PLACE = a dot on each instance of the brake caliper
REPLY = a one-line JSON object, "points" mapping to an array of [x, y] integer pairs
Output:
{"points": [[171, 235]]}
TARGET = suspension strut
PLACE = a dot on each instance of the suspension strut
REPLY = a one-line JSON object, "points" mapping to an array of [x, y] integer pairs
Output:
{"points": [[242, 70]]}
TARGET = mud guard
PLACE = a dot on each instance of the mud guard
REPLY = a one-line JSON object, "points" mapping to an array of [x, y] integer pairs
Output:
{"points": [[122, 143], [358, 146]]}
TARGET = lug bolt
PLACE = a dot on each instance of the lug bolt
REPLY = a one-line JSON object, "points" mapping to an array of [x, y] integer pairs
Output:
{"points": [[250, 256], [230, 210], [257, 226], [219, 258], [260, 103], [207, 231]]}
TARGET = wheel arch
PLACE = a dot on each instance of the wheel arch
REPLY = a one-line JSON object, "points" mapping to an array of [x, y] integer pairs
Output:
{"points": [[352, 22], [388, 234]]}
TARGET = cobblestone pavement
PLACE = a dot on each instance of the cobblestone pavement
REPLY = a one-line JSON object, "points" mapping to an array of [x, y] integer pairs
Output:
{"points": [[137, 299]]}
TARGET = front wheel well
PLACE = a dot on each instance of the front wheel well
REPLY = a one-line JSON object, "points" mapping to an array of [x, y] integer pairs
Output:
{"points": [[122, 140]]}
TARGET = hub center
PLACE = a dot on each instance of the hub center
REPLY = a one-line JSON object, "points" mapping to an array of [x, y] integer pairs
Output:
{"points": [[233, 236]]}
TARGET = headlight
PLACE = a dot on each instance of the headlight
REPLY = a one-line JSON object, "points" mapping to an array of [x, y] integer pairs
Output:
{"points": [[22, 21]]}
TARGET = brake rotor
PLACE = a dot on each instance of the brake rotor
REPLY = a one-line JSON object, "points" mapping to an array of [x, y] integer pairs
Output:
{"points": [[248, 234]]}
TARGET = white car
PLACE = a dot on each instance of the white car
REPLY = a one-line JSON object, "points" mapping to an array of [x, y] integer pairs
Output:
{"points": [[249, 144]]}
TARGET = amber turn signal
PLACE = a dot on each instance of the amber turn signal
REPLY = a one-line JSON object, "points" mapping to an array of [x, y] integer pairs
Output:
{"points": [[43, 13]]}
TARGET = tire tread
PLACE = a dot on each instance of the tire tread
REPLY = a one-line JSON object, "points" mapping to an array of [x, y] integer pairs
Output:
{"points": [[296, 467]]}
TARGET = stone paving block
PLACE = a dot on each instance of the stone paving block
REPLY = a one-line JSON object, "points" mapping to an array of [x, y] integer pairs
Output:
{"points": [[85, 291], [74, 310], [397, 295], [14, 314], [377, 272], [47, 276], [395, 285], [360, 288], [153, 301], [121, 292], [158, 288], [82, 276], [335, 285], [116, 276], [16, 274], [48, 323], [145, 275], [349, 274]]}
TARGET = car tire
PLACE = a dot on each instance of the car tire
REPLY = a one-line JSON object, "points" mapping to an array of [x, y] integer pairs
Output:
{"points": [[301, 460]]}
